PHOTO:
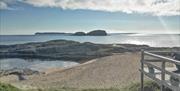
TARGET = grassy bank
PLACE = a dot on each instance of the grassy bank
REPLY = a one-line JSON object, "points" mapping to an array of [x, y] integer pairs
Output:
{"points": [[149, 86]]}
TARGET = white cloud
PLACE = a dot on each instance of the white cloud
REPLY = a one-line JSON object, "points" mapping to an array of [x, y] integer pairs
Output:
{"points": [[154, 7], [3, 5]]}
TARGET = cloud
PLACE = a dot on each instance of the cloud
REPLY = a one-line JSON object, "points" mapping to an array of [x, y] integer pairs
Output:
{"points": [[3, 5], [153, 7]]}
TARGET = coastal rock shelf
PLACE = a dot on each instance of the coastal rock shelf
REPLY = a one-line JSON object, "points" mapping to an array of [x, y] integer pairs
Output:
{"points": [[69, 50], [16, 71]]}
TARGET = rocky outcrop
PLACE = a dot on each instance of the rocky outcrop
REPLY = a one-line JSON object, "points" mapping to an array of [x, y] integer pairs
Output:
{"points": [[70, 50], [17, 71], [79, 34], [97, 33], [59, 49]]}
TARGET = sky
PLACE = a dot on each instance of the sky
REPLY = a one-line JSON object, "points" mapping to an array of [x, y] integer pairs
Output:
{"points": [[121, 16]]}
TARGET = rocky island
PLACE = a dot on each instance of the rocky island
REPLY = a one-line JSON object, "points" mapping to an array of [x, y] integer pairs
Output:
{"points": [[52, 33], [97, 33], [79, 34], [92, 33]]}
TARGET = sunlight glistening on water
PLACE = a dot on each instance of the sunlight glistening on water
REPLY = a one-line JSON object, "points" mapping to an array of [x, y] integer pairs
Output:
{"points": [[154, 40], [167, 30]]}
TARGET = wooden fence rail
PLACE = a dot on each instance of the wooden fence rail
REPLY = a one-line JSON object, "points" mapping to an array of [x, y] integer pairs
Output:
{"points": [[163, 72]]}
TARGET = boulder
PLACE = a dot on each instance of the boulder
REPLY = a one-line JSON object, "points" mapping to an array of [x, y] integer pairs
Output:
{"points": [[97, 33]]}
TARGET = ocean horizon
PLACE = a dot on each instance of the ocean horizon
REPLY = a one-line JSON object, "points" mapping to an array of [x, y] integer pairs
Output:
{"points": [[153, 40]]}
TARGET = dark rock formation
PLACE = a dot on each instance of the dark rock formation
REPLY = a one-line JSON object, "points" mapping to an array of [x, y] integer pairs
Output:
{"points": [[79, 34], [18, 72], [59, 49], [70, 50], [97, 33]]}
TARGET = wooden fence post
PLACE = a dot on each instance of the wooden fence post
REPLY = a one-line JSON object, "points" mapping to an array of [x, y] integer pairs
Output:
{"points": [[142, 69], [163, 75], [162, 82]]}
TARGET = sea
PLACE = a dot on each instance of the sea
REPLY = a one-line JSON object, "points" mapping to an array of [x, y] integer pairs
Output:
{"points": [[34, 64], [153, 40]]}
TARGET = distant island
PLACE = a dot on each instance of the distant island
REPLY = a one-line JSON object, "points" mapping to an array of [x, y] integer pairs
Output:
{"points": [[51, 33], [91, 33]]}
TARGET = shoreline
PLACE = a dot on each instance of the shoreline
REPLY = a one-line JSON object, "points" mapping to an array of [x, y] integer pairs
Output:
{"points": [[113, 71], [75, 71], [117, 71]]}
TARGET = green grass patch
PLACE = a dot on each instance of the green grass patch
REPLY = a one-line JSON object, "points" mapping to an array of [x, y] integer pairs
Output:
{"points": [[8, 87], [73, 89], [149, 86]]}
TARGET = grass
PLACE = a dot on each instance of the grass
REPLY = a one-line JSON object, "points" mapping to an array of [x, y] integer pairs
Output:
{"points": [[148, 86], [133, 87], [7, 87]]}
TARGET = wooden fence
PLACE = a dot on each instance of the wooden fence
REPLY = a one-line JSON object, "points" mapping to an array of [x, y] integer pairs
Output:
{"points": [[154, 57]]}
